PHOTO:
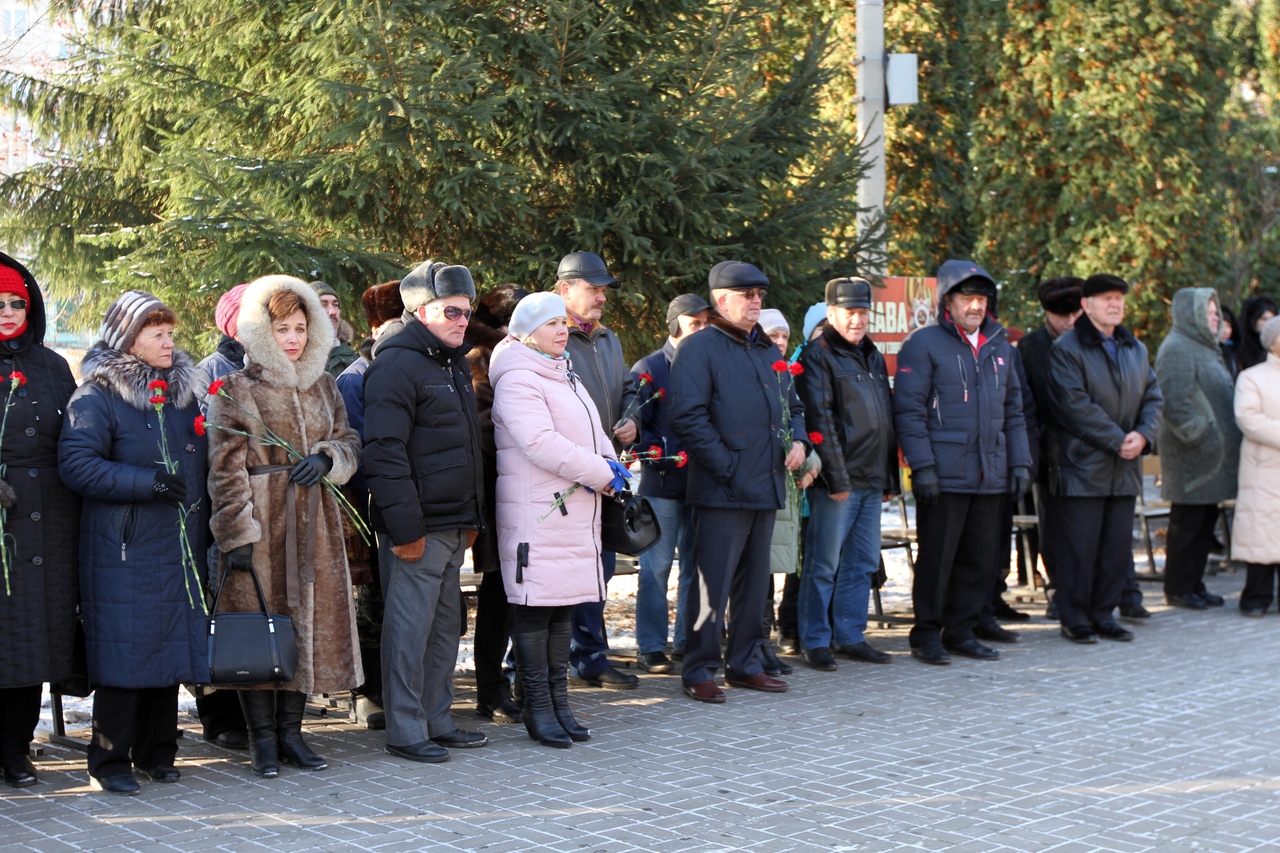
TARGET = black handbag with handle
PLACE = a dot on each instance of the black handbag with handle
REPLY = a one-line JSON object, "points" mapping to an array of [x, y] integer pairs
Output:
{"points": [[628, 524], [250, 648]]}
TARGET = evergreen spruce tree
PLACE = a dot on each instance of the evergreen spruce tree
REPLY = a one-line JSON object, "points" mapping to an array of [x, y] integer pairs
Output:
{"points": [[200, 144]]}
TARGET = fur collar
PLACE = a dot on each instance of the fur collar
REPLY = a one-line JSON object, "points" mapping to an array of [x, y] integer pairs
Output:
{"points": [[128, 376], [263, 355], [1090, 336], [721, 324]]}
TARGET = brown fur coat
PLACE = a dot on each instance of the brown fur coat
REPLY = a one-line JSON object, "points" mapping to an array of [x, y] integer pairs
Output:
{"points": [[301, 404]]}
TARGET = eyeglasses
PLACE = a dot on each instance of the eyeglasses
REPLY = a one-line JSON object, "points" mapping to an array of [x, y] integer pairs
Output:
{"points": [[16, 305], [753, 293], [453, 312]]}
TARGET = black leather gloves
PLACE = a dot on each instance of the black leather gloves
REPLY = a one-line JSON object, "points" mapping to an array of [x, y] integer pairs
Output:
{"points": [[309, 471], [239, 559], [169, 488], [1019, 482], [924, 486]]}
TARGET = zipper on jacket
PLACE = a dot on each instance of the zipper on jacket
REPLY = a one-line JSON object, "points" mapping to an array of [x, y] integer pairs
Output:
{"points": [[937, 410], [964, 378]]}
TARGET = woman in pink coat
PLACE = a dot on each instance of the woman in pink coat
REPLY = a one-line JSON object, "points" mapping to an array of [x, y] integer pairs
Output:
{"points": [[550, 446]]}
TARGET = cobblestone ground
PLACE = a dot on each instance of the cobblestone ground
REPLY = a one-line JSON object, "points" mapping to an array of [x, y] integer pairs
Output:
{"points": [[1168, 743]]}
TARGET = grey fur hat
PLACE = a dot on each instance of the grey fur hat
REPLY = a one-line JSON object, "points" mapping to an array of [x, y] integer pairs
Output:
{"points": [[433, 280]]}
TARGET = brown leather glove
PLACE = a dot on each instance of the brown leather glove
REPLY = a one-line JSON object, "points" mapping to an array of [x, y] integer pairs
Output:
{"points": [[411, 552], [472, 535]]}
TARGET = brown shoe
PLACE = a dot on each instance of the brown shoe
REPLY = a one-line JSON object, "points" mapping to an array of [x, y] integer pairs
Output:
{"points": [[705, 691], [760, 681]]}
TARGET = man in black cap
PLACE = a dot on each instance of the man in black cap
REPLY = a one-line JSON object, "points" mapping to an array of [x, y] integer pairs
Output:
{"points": [[845, 389], [1106, 411], [727, 408], [342, 355], [957, 405], [595, 353], [663, 485], [1060, 299]]}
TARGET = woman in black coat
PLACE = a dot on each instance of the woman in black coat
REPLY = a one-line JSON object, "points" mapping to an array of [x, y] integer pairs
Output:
{"points": [[38, 602], [144, 618], [1254, 314]]}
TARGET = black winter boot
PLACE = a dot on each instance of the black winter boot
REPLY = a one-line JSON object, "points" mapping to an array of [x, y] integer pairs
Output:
{"points": [[293, 749], [558, 677], [259, 708], [531, 666]]}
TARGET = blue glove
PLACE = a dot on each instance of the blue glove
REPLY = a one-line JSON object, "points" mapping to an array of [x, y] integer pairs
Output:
{"points": [[620, 475]]}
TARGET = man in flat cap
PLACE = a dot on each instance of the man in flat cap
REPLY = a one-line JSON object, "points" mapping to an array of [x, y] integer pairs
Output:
{"points": [[1106, 411], [957, 406], [727, 408], [663, 485], [422, 464], [845, 389], [595, 353]]}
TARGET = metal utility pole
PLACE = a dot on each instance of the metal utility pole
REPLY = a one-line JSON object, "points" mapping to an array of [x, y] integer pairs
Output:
{"points": [[871, 107]]}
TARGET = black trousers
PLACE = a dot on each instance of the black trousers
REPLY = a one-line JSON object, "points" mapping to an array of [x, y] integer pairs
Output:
{"points": [[19, 715], [731, 567], [1047, 520], [1189, 545], [1094, 540], [1000, 561], [1259, 585], [493, 632], [133, 728], [953, 576], [220, 712], [528, 620], [369, 609]]}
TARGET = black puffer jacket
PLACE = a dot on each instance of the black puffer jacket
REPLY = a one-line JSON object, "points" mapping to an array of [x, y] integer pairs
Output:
{"points": [[597, 361], [845, 390], [37, 614], [660, 479], [1095, 403], [1034, 351], [957, 413], [726, 406], [422, 458]]}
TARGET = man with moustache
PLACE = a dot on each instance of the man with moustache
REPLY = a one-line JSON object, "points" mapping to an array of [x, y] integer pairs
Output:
{"points": [[957, 406]]}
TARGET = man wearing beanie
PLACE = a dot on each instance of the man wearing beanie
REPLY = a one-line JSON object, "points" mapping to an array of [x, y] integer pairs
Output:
{"points": [[594, 351], [1106, 410], [957, 406], [663, 485], [383, 309], [341, 356], [1060, 299], [845, 389], [423, 469], [726, 408]]}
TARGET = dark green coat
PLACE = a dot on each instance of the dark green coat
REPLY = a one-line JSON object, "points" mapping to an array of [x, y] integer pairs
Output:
{"points": [[1199, 441]]}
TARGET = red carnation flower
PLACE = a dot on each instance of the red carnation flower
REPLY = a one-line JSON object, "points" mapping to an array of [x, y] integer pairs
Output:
{"points": [[646, 379], [655, 452], [158, 385], [796, 368], [780, 366], [157, 400], [215, 387], [18, 378], [815, 438], [661, 393], [199, 424], [682, 459]]}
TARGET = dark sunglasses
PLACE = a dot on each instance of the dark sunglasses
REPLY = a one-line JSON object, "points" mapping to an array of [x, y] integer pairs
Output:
{"points": [[16, 305], [753, 293], [453, 312]]}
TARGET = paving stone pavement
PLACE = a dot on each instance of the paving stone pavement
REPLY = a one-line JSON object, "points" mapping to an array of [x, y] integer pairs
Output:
{"points": [[1168, 743]]}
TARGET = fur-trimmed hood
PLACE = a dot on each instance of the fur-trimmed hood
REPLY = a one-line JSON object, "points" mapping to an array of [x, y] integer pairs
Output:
{"points": [[263, 354], [128, 376]]}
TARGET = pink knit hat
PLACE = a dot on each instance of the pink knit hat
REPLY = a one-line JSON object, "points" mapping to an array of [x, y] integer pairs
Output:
{"points": [[228, 310]]}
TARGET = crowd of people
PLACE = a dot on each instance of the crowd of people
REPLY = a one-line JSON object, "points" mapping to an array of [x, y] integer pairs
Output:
{"points": [[501, 426]]}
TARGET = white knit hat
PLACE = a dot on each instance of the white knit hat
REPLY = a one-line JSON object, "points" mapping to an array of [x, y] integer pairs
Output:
{"points": [[771, 320], [534, 310], [1269, 333]]}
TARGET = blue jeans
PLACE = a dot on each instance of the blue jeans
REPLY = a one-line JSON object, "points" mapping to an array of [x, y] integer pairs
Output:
{"points": [[589, 648], [841, 553], [655, 568]]}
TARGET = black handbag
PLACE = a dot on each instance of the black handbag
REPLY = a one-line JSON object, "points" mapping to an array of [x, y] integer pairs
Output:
{"points": [[628, 524], [250, 648]]}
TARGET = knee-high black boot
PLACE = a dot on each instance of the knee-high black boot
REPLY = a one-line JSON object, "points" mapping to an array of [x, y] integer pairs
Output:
{"points": [[531, 665], [293, 749], [259, 708], [558, 677]]}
